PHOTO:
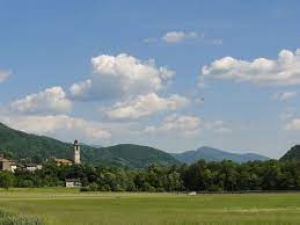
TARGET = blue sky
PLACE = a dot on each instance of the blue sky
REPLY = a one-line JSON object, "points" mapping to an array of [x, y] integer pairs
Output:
{"points": [[171, 74]]}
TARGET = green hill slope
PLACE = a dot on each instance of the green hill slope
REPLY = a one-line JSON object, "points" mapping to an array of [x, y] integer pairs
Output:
{"points": [[292, 155], [20, 145], [135, 156]]}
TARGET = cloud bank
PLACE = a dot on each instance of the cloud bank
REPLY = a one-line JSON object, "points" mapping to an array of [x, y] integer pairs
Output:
{"points": [[121, 76], [51, 100], [285, 70], [146, 105], [179, 125], [58, 126]]}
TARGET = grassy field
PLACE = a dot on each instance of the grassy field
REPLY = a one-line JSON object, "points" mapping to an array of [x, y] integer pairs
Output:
{"points": [[69, 207]]}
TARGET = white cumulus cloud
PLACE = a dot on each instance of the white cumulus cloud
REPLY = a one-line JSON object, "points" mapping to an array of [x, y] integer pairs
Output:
{"points": [[294, 124], [51, 100], [146, 105], [4, 75], [218, 126], [285, 70], [59, 126], [284, 96], [120, 76], [177, 125], [178, 36]]}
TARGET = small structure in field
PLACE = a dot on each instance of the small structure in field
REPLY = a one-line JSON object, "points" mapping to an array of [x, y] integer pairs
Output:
{"points": [[192, 193], [71, 183]]}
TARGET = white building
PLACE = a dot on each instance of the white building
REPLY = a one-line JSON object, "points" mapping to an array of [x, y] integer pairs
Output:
{"points": [[71, 183], [33, 168]]}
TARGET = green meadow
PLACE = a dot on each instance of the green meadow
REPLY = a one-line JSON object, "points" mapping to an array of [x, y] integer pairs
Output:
{"points": [[69, 207]]}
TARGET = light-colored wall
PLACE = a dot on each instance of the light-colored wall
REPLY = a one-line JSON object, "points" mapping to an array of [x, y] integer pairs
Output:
{"points": [[7, 165], [69, 184], [77, 154]]}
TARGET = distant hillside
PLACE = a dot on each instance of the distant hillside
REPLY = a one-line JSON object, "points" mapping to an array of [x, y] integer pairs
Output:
{"points": [[20, 145], [213, 154], [292, 155], [135, 156]]}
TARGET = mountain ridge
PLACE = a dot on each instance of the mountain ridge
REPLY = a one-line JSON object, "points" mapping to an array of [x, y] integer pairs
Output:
{"points": [[292, 155], [213, 154], [133, 154], [20, 145]]}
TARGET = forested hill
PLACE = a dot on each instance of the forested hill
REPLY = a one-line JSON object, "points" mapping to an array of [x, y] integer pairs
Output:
{"points": [[135, 156], [292, 155], [212, 154], [22, 146]]}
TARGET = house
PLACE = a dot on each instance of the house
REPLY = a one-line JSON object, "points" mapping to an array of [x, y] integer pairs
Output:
{"points": [[63, 162], [6, 164], [71, 183], [33, 167]]}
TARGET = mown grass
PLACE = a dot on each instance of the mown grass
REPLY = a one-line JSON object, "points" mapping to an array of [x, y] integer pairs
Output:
{"points": [[59, 207]]}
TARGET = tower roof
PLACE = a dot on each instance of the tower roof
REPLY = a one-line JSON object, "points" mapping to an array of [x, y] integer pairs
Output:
{"points": [[76, 142]]}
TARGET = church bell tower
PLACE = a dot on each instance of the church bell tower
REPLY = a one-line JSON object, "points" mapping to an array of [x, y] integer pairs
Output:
{"points": [[76, 152]]}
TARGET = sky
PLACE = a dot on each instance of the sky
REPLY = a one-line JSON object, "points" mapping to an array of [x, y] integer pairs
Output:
{"points": [[175, 75]]}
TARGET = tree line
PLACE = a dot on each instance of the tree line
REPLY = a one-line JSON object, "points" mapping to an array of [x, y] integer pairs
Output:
{"points": [[201, 176]]}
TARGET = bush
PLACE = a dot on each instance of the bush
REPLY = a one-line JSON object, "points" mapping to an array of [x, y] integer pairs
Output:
{"points": [[119, 188], [93, 186], [6, 179], [105, 187], [148, 188], [84, 189], [26, 184], [160, 190]]}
